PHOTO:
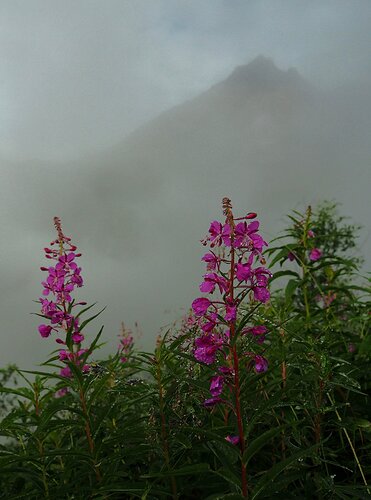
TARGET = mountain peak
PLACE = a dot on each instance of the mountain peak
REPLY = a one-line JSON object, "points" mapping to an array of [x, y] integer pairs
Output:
{"points": [[262, 74]]}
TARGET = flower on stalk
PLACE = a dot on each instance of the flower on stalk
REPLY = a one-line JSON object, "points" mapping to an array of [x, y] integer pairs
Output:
{"points": [[57, 304], [235, 269], [207, 347], [233, 439], [200, 306], [261, 364], [216, 386], [315, 254], [258, 332], [126, 343]]}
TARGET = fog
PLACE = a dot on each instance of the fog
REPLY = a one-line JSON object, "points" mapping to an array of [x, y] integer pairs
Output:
{"points": [[131, 120]]}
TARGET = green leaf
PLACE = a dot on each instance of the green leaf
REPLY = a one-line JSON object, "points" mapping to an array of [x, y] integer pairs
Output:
{"points": [[227, 496], [281, 255], [280, 274], [183, 471], [259, 442], [270, 475], [229, 476], [92, 345], [87, 321], [290, 289]]}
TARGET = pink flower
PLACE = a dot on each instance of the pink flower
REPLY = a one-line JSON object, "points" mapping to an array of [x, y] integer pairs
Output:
{"points": [[352, 348], [212, 321], [218, 234], [47, 307], [211, 281], [260, 277], [62, 392], [61, 281], [64, 355], [315, 254], [200, 306], [231, 313], [233, 439], [243, 271], [209, 403], [77, 337], [45, 330], [258, 332], [216, 386], [66, 372], [226, 370], [310, 234], [246, 236], [261, 364], [207, 347], [291, 256], [231, 271], [211, 260], [66, 263]]}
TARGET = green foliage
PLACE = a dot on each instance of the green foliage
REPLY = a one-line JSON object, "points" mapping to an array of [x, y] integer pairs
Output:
{"points": [[138, 429]]}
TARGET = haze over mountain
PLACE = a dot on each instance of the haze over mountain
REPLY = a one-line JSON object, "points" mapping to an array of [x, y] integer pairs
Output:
{"points": [[266, 138]]}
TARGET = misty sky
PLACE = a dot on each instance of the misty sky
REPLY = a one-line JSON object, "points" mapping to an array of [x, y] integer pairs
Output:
{"points": [[79, 75], [80, 82]]}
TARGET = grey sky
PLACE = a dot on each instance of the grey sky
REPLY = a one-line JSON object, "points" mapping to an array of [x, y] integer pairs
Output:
{"points": [[80, 77]]}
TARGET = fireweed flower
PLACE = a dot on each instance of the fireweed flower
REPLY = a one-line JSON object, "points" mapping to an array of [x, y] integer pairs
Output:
{"points": [[212, 261], [126, 343], [291, 256], [57, 305], [315, 254], [233, 439], [235, 269], [257, 331], [200, 306], [261, 364]]}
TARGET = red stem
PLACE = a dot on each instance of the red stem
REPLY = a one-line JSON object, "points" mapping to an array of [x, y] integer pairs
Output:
{"points": [[232, 329]]}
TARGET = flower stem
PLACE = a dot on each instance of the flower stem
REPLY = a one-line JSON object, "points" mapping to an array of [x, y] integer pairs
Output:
{"points": [[351, 445], [239, 420], [164, 437], [232, 329], [88, 434]]}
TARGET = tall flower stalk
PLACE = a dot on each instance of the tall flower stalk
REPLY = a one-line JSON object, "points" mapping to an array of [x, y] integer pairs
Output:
{"points": [[58, 308], [57, 305], [226, 340]]}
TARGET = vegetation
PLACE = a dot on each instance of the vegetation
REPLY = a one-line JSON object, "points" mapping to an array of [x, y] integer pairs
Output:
{"points": [[255, 394]]}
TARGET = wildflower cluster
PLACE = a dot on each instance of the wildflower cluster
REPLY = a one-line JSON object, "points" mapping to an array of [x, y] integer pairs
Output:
{"points": [[307, 239], [126, 343], [235, 249], [57, 304]]}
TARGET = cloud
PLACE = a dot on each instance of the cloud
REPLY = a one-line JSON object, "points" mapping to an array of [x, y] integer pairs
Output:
{"points": [[80, 77]]}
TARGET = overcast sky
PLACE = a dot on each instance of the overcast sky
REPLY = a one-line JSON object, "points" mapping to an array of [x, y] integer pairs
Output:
{"points": [[78, 77]]}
